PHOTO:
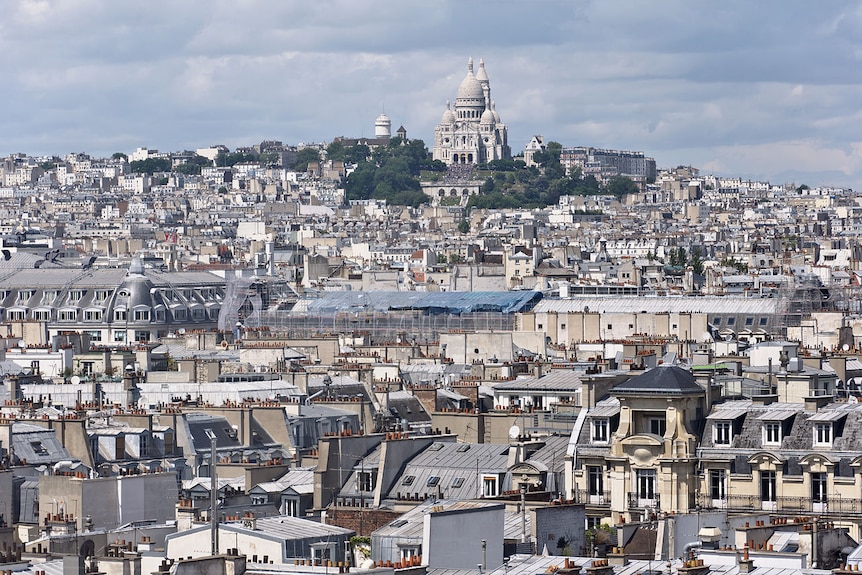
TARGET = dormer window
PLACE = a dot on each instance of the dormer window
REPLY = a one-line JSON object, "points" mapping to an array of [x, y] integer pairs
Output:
{"points": [[823, 434], [656, 425], [772, 433], [722, 433], [600, 430]]}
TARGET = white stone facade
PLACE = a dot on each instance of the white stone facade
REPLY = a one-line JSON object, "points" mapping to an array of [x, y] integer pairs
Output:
{"points": [[472, 133]]}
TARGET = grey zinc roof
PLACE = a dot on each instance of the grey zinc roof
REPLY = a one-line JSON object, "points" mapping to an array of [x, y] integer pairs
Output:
{"points": [[558, 380], [37, 444], [670, 380], [453, 463]]}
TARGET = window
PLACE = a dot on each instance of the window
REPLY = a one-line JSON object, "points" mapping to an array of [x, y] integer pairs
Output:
{"points": [[142, 315], [595, 481], [75, 295], [749, 321], [25, 295], [16, 315], [731, 321], [93, 315], [408, 552], [38, 448], [121, 315], [119, 335], [258, 500], [600, 430], [722, 434], [67, 315], [762, 321], [365, 481], [433, 481], [87, 368], [290, 507], [656, 425], [717, 484], [489, 486], [120, 447], [459, 481], [41, 315], [95, 334], [768, 486], [145, 445], [772, 433], [823, 434], [610, 326], [142, 335], [646, 484], [818, 487], [180, 314], [101, 295], [408, 480]]}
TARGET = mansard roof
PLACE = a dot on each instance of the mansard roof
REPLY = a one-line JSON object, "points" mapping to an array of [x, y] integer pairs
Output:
{"points": [[662, 380]]}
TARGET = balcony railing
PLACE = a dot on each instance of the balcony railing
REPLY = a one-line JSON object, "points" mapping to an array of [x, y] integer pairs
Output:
{"points": [[584, 496], [783, 504], [638, 501]]}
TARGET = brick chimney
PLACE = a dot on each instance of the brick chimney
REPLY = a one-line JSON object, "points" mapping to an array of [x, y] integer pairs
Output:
{"points": [[746, 565]]}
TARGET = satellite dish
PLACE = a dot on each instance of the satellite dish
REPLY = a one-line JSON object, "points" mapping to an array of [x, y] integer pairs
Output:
{"points": [[75, 380], [181, 331], [514, 432], [22, 344], [852, 399], [845, 347]]}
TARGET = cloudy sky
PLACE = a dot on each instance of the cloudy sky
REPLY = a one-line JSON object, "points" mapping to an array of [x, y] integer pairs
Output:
{"points": [[768, 89]]}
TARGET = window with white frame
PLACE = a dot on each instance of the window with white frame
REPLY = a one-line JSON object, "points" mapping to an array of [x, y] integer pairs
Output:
{"points": [[142, 315], [365, 481], [646, 483], [95, 334], [768, 486], [600, 430], [595, 480], [121, 314], [76, 294], [16, 315], [722, 433], [490, 486], [93, 315], [656, 425], [408, 552], [24, 295], [717, 484], [42, 314], [823, 434], [772, 433], [120, 335], [67, 315]]}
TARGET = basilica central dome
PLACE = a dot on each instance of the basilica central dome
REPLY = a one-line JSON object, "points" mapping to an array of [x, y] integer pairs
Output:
{"points": [[472, 132]]}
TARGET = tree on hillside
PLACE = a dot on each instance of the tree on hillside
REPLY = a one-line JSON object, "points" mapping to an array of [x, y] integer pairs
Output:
{"points": [[303, 158], [619, 186]]}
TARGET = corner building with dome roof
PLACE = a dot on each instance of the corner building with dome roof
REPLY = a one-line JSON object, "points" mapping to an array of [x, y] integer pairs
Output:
{"points": [[472, 132]]}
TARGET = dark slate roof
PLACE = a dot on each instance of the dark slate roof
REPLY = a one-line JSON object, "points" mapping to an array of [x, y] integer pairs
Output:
{"points": [[662, 380]]}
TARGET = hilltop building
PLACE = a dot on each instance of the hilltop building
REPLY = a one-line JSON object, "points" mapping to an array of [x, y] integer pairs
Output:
{"points": [[472, 133]]}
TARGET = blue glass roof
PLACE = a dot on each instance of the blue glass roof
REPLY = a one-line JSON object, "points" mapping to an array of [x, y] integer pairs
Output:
{"points": [[451, 302]]}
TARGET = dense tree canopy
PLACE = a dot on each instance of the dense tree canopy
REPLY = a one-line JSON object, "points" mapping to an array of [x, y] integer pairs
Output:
{"points": [[303, 158], [150, 166], [193, 165], [391, 174]]}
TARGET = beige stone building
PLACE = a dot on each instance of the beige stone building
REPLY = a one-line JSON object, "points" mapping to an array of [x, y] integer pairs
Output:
{"points": [[636, 451]]}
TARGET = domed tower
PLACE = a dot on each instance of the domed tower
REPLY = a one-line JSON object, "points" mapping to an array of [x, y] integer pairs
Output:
{"points": [[382, 127], [470, 102], [472, 133]]}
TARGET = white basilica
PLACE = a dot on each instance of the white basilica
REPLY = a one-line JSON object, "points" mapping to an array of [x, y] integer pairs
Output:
{"points": [[473, 132]]}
